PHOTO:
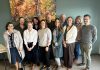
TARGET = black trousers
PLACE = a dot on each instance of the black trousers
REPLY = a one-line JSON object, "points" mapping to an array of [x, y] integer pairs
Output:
{"points": [[45, 56]]}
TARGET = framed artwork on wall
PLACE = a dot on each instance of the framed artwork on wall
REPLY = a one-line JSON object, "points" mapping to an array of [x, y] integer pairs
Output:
{"points": [[31, 8]]}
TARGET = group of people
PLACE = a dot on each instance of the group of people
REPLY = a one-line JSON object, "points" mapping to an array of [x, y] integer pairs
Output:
{"points": [[38, 41]]}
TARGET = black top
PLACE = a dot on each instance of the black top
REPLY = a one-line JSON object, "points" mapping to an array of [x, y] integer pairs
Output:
{"points": [[11, 40], [36, 27], [20, 29], [51, 25]]}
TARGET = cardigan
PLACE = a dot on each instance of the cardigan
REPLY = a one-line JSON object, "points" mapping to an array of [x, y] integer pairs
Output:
{"points": [[71, 35], [18, 43]]}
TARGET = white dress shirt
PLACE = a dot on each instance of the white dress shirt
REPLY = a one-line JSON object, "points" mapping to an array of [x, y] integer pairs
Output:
{"points": [[30, 36], [45, 37]]}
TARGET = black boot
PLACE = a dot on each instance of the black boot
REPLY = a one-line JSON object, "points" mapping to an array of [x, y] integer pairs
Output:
{"points": [[48, 68], [20, 69]]}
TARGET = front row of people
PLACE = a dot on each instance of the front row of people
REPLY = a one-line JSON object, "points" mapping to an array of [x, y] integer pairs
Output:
{"points": [[62, 39]]}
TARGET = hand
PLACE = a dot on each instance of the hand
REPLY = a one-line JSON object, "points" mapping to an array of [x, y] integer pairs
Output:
{"points": [[56, 44], [65, 45], [46, 49], [20, 49], [29, 49]]}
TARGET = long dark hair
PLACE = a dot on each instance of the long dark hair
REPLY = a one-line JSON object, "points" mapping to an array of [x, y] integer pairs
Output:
{"points": [[36, 19], [24, 20], [60, 28]]}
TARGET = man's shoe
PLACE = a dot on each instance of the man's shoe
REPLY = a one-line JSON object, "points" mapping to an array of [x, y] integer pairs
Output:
{"points": [[43, 67], [86, 68], [81, 64], [48, 68], [20, 69]]}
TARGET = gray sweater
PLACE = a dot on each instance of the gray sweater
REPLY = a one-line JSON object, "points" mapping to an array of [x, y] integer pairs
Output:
{"points": [[89, 34]]}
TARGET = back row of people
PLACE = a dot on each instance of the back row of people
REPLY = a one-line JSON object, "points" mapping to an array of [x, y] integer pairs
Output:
{"points": [[51, 39]]}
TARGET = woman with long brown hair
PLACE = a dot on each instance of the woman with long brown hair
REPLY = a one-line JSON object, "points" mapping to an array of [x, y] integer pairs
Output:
{"points": [[57, 42]]}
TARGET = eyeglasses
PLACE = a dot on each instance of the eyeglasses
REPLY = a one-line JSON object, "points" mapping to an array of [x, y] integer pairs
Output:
{"points": [[10, 26]]}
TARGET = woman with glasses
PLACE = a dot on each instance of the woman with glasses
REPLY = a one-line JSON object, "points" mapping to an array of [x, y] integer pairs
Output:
{"points": [[14, 44]]}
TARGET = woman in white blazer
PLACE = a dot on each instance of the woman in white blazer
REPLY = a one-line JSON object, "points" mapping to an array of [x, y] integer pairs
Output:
{"points": [[14, 44]]}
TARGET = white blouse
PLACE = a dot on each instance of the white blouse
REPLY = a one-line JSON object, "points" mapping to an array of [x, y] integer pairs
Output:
{"points": [[45, 37], [30, 36]]}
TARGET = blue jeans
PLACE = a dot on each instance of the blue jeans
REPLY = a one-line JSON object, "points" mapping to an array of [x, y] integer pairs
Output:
{"points": [[15, 55], [77, 50]]}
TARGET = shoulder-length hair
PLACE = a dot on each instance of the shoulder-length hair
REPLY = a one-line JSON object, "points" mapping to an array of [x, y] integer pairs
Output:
{"points": [[45, 23], [24, 21], [72, 20]]}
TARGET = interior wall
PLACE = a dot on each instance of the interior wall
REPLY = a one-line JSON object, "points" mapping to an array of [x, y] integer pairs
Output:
{"points": [[4, 17]]}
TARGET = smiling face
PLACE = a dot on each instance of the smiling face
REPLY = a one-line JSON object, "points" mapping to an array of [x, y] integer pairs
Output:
{"points": [[30, 25], [69, 21], [57, 23], [10, 27], [63, 18], [77, 20], [86, 20], [35, 21], [43, 24], [48, 17], [21, 20]]}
